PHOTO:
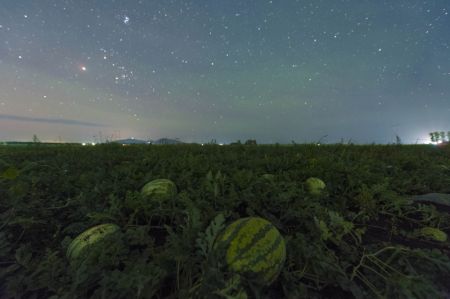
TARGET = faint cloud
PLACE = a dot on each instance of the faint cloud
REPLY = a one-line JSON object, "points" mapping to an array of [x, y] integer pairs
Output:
{"points": [[70, 122]]}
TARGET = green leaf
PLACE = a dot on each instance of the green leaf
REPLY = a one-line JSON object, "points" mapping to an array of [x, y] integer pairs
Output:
{"points": [[205, 241], [11, 173], [322, 226]]}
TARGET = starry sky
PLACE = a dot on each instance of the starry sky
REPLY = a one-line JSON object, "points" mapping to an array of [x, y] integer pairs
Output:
{"points": [[270, 70]]}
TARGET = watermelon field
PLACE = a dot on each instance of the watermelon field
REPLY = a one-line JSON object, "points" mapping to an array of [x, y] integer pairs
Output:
{"points": [[241, 221]]}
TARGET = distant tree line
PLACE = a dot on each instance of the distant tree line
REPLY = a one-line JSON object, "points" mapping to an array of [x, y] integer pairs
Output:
{"points": [[440, 136], [247, 142]]}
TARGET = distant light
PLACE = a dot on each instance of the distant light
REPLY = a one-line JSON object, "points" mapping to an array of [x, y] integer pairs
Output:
{"points": [[93, 143], [220, 143], [83, 144], [83, 68], [202, 144]]}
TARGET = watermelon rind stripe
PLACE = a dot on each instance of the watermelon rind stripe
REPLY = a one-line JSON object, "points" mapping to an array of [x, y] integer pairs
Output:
{"points": [[280, 252], [234, 230], [260, 235], [254, 246], [276, 259], [277, 243], [159, 189], [261, 249], [244, 237]]}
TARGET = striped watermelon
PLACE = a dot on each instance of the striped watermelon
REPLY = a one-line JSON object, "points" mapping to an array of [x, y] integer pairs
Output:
{"points": [[253, 247], [94, 235], [160, 189], [315, 186]]}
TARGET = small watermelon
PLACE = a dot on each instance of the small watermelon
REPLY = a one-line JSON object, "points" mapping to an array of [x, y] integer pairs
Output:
{"points": [[159, 189], [431, 233], [315, 186], [93, 236], [254, 248]]}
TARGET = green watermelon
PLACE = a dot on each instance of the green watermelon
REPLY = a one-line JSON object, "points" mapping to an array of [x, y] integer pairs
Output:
{"points": [[431, 233], [254, 248], [315, 186], [159, 189], [93, 236]]}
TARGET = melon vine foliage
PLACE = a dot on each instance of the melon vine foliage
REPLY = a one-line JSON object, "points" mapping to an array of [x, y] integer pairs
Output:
{"points": [[363, 237]]}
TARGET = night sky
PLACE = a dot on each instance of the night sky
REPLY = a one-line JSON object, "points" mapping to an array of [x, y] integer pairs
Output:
{"points": [[274, 71]]}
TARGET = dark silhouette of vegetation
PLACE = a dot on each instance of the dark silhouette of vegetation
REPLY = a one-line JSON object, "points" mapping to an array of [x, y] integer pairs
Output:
{"points": [[36, 139], [250, 142], [432, 137], [440, 136]]}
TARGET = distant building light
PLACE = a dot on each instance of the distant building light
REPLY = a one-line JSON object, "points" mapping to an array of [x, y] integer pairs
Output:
{"points": [[83, 144], [220, 143], [93, 143], [202, 144]]}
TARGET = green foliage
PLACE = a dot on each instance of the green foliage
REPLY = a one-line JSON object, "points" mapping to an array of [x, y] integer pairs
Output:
{"points": [[358, 240], [10, 174], [205, 240]]}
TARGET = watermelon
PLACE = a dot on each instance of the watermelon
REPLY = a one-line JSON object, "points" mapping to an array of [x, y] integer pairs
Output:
{"points": [[315, 186], [93, 236], [432, 233], [159, 189], [254, 248]]}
